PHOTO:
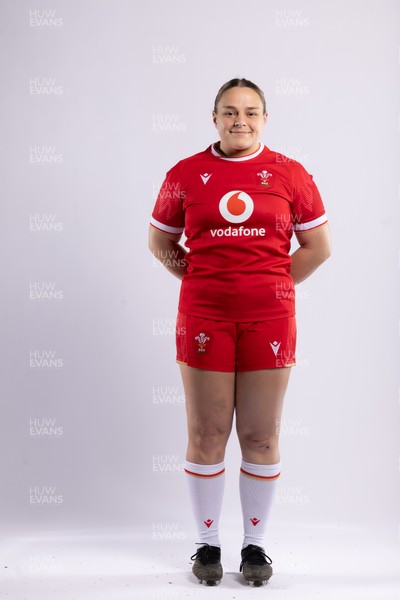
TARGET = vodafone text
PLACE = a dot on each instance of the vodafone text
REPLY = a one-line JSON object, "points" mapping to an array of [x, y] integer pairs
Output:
{"points": [[238, 232]]}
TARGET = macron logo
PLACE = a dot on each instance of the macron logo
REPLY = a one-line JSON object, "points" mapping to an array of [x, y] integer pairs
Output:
{"points": [[275, 347], [205, 177]]}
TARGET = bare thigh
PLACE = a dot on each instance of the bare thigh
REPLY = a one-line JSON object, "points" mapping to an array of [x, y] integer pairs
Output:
{"points": [[259, 403], [210, 400]]}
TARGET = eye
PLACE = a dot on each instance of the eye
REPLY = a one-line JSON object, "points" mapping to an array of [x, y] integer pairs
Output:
{"points": [[252, 114], [228, 113]]}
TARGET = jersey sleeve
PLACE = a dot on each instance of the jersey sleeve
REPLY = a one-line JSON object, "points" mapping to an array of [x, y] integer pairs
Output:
{"points": [[307, 207], [168, 213]]}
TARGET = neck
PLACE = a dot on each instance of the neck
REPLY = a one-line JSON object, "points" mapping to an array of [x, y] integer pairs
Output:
{"points": [[235, 153]]}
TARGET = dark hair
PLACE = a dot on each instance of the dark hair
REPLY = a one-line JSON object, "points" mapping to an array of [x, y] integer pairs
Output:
{"points": [[240, 83]]}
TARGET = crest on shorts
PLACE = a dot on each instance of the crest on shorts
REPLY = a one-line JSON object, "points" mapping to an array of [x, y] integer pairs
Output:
{"points": [[275, 347], [264, 177], [202, 340]]}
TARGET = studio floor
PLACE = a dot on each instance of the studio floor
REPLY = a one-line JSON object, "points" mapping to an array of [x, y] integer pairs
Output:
{"points": [[309, 562]]}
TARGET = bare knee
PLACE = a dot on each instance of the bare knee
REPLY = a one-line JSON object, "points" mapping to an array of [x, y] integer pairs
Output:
{"points": [[259, 448], [207, 444]]}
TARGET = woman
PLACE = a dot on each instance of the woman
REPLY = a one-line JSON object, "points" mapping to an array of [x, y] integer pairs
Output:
{"points": [[238, 203]]}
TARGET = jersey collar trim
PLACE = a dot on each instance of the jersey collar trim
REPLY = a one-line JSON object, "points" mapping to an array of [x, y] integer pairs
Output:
{"points": [[239, 158]]}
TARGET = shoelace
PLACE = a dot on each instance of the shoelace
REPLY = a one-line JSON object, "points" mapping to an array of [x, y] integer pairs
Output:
{"points": [[206, 554], [255, 556]]}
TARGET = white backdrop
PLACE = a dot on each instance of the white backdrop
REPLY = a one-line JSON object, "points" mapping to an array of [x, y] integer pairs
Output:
{"points": [[99, 99]]}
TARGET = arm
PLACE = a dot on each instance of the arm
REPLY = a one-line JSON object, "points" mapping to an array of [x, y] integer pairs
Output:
{"points": [[315, 248], [166, 248]]}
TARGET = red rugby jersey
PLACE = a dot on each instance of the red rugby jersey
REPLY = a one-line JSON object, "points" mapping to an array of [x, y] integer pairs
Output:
{"points": [[238, 215]]}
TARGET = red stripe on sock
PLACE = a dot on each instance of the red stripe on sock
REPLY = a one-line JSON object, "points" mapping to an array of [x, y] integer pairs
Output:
{"points": [[260, 476], [201, 475]]}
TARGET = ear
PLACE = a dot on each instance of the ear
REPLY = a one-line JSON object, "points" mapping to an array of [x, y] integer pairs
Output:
{"points": [[214, 118], [265, 119]]}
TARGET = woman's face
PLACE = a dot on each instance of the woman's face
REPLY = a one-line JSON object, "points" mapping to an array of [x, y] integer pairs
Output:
{"points": [[240, 121]]}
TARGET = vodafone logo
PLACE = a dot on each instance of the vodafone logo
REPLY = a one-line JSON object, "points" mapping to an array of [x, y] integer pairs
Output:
{"points": [[236, 206]]}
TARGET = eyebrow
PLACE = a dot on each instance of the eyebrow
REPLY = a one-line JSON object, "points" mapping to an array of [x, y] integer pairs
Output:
{"points": [[247, 107]]}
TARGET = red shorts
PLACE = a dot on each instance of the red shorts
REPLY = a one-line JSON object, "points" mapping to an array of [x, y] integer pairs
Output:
{"points": [[229, 346]]}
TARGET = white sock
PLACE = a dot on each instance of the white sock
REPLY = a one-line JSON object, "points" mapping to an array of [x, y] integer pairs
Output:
{"points": [[257, 484], [206, 488]]}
